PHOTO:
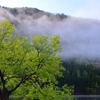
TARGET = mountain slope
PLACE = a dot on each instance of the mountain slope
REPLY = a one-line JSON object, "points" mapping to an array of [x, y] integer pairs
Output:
{"points": [[80, 37]]}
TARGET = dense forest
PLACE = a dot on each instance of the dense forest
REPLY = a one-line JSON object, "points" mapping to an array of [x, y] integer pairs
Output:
{"points": [[84, 75]]}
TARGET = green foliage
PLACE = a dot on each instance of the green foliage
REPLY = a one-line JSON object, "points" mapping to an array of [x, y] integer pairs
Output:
{"points": [[29, 69]]}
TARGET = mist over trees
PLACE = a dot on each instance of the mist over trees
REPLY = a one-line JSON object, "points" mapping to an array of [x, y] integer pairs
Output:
{"points": [[80, 41], [80, 37]]}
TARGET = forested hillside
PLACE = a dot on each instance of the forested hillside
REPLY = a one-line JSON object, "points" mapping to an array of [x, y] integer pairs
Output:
{"points": [[80, 42], [15, 15], [80, 37], [83, 75]]}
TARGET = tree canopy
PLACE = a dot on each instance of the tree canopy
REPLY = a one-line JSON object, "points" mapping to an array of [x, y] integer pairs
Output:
{"points": [[28, 69]]}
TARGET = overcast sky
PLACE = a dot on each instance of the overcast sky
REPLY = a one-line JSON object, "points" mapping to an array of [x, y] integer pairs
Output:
{"points": [[78, 8]]}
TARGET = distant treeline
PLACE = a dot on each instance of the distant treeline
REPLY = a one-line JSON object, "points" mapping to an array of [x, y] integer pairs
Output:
{"points": [[84, 76]]}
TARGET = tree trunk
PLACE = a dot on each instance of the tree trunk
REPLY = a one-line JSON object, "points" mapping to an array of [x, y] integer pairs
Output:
{"points": [[4, 94]]}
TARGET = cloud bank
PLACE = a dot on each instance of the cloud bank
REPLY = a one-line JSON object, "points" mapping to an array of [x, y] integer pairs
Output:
{"points": [[80, 37]]}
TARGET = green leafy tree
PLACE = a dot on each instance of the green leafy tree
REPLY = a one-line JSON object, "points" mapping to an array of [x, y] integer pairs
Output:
{"points": [[28, 69]]}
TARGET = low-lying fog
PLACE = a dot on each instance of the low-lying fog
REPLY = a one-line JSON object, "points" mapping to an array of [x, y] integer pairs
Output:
{"points": [[80, 37]]}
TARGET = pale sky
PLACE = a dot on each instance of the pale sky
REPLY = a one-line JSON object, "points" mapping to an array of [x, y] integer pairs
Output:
{"points": [[77, 8]]}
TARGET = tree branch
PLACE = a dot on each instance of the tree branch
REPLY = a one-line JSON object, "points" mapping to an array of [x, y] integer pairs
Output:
{"points": [[2, 79], [11, 77], [22, 81]]}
